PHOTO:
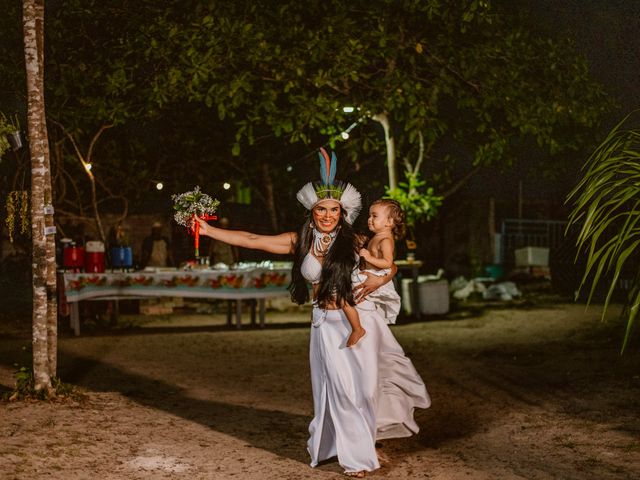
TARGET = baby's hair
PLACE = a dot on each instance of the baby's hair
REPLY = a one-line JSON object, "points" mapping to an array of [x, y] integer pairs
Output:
{"points": [[396, 214]]}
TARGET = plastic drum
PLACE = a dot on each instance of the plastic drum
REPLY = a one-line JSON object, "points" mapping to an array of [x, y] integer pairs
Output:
{"points": [[94, 257], [73, 258], [121, 257]]}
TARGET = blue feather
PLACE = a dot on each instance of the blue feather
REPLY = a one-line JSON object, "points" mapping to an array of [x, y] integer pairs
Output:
{"points": [[324, 175], [334, 167]]}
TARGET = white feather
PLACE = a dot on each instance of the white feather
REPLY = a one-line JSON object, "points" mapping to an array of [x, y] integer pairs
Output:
{"points": [[350, 200], [307, 196]]}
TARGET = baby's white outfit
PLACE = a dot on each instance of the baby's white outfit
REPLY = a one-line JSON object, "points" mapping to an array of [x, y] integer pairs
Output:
{"points": [[385, 298]]}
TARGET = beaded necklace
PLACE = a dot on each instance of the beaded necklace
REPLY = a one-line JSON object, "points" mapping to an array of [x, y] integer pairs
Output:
{"points": [[322, 242]]}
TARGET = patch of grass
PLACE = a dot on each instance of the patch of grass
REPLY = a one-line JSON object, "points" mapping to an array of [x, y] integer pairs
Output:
{"points": [[25, 389]]}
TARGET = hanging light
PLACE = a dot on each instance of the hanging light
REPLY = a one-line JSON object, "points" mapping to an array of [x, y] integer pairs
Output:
{"points": [[226, 185], [159, 186]]}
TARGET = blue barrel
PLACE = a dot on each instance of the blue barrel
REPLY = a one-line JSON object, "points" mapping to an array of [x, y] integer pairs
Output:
{"points": [[121, 257]]}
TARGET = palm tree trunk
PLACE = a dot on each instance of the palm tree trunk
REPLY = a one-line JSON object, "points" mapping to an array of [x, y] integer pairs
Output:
{"points": [[44, 288]]}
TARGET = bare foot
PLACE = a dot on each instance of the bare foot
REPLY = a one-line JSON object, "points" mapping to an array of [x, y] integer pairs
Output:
{"points": [[355, 336], [360, 474]]}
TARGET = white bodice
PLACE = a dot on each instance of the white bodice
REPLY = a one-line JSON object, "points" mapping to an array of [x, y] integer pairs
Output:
{"points": [[311, 269]]}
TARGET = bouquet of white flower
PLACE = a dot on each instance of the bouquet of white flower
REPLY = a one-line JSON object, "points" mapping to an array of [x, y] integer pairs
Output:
{"points": [[189, 204], [192, 203]]}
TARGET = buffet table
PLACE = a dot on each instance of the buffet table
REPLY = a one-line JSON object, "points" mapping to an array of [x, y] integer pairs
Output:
{"points": [[251, 283]]}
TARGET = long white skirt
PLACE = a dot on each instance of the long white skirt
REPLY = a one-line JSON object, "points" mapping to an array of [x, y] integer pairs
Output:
{"points": [[362, 393]]}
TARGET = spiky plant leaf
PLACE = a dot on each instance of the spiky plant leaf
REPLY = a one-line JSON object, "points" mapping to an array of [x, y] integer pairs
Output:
{"points": [[606, 210]]}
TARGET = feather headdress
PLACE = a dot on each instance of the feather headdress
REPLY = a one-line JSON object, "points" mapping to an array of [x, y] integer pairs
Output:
{"points": [[328, 188]]}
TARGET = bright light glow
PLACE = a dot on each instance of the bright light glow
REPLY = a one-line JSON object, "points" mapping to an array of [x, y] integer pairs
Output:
{"points": [[88, 166], [159, 186], [344, 135], [348, 109], [226, 185], [289, 168]]}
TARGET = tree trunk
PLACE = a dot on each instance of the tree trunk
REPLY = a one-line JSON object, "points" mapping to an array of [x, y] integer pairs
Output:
{"points": [[383, 119], [44, 287]]}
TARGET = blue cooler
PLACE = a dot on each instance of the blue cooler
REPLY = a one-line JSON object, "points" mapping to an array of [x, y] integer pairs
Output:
{"points": [[121, 257]]}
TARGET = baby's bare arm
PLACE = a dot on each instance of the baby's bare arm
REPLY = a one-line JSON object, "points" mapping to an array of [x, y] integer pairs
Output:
{"points": [[380, 255]]}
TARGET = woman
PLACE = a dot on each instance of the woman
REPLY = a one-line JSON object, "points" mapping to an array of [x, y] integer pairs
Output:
{"points": [[363, 393]]}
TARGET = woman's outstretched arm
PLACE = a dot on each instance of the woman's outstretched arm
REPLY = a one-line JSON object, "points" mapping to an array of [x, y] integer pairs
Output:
{"points": [[280, 244]]}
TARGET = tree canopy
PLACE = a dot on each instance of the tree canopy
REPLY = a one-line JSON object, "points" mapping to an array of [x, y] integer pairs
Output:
{"points": [[233, 85]]}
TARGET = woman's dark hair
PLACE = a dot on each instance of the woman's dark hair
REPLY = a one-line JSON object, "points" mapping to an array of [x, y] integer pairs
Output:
{"points": [[335, 281], [298, 286]]}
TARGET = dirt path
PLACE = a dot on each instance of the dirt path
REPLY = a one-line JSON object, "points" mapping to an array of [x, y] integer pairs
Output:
{"points": [[517, 394]]}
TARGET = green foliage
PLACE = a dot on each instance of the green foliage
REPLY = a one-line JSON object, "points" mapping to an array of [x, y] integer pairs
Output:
{"points": [[7, 126], [456, 73], [606, 210], [24, 388], [94, 54], [418, 202], [226, 85]]}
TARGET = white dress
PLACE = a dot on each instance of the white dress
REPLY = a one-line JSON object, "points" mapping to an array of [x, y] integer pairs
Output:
{"points": [[360, 394]]}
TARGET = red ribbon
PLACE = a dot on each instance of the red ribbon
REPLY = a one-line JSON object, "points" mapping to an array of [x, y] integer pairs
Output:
{"points": [[195, 231]]}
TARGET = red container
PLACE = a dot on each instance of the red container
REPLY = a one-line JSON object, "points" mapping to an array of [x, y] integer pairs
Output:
{"points": [[94, 262], [94, 257], [73, 258]]}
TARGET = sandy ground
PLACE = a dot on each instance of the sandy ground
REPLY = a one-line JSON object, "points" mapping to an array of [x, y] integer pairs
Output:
{"points": [[521, 393]]}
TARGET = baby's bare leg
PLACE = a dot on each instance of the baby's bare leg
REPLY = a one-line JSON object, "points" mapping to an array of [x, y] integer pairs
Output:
{"points": [[357, 332]]}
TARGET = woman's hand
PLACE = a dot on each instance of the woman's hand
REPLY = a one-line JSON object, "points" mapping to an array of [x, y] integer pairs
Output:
{"points": [[205, 228], [372, 283]]}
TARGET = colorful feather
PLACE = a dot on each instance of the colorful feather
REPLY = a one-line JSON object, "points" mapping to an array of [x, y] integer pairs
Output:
{"points": [[334, 167], [329, 188], [325, 166]]}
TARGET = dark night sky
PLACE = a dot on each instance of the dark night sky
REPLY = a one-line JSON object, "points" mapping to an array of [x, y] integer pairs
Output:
{"points": [[607, 32]]}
